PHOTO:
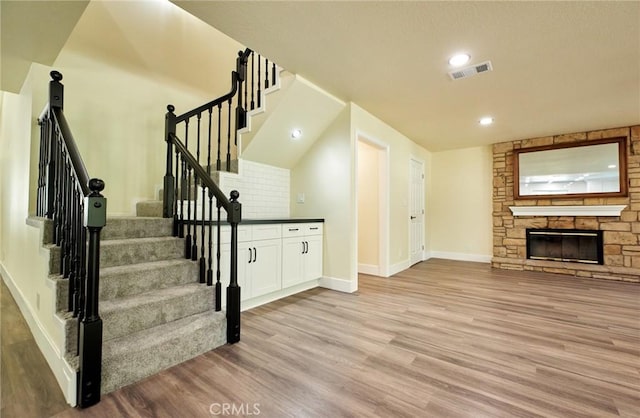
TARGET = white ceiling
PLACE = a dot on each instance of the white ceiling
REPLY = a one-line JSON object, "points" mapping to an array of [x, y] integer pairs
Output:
{"points": [[559, 67]]}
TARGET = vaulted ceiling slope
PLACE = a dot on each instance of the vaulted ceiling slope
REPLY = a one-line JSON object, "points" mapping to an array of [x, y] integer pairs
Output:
{"points": [[33, 31], [557, 66]]}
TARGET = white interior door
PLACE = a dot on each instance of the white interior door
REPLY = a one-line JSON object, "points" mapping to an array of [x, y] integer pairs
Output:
{"points": [[416, 211]]}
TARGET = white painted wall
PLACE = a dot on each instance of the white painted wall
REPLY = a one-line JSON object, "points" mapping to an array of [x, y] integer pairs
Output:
{"points": [[117, 88], [23, 263], [401, 149], [461, 204], [325, 176]]}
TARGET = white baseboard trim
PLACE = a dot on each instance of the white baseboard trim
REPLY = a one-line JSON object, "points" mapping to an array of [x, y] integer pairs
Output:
{"points": [[340, 285], [398, 267], [369, 269], [64, 375], [480, 258], [270, 297]]}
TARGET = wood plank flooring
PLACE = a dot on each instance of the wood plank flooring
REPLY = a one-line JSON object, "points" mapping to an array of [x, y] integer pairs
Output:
{"points": [[442, 339], [28, 388]]}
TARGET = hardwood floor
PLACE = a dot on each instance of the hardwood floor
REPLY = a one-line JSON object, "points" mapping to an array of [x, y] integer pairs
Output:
{"points": [[28, 388], [442, 339]]}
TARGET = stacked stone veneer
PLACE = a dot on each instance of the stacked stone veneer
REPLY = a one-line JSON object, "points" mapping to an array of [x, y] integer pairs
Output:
{"points": [[621, 234]]}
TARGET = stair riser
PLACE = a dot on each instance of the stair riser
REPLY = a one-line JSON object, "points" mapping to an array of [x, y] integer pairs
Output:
{"points": [[136, 228], [132, 253], [136, 318], [133, 282]]}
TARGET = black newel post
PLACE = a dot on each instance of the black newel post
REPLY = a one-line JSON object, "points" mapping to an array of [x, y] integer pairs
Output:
{"points": [[234, 216], [90, 332], [56, 99], [241, 111], [168, 190]]}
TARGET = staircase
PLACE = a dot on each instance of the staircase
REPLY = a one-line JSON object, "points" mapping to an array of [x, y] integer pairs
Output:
{"points": [[150, 305], [155, 314]]}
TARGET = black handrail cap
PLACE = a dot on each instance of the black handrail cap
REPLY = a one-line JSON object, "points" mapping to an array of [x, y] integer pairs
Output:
{"points": [[171, 108], [55, 75], [234, 195], [96, 185]]}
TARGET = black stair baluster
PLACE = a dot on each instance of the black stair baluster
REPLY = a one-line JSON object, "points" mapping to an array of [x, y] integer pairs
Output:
{"points": [[218, 284], [183, 193], [67, 220], [176, 187], [57, 193], [253, 103], [51, 175], [259, 94], [194, 248], [72, 244], [187, 194], [40, 211], [273, 74], [266, 74], [246, 92], [210, 246], [229, 138], [209, 143], [203, 265], [218, 161], [62, 182]]}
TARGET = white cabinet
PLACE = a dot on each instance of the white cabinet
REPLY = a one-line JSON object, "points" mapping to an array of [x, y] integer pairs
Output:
{"points": [[263, 272], [259, 260], [301, 253], [271, 258]]}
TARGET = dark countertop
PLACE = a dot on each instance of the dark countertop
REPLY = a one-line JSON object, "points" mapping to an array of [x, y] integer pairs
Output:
{"points": [[280, 221], [250, 221]]}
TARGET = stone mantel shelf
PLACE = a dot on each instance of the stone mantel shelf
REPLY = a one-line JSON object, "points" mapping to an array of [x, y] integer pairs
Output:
{"points": [[605, 210]]}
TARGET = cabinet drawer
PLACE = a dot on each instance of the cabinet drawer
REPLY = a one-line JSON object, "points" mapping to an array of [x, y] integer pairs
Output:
{"points": [[313, 229], [244, 234], [292, 230], [268, 231]]}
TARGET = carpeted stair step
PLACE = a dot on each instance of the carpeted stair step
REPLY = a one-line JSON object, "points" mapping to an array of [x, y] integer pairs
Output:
{"points": [[135, 356], [132, 314], [140, 250], [125, 227], [128, 280], [150, 208]]}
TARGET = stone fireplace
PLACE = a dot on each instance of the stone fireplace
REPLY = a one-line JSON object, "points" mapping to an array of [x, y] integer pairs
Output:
{"points": [[615, 219]]}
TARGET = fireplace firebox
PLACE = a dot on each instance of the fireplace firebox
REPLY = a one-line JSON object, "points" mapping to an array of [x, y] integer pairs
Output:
{"points": [[573, 245]]}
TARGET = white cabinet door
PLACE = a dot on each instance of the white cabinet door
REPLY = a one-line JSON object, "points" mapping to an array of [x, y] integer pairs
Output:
{"points": [[292, 271], [313, 257], [265, 267]]}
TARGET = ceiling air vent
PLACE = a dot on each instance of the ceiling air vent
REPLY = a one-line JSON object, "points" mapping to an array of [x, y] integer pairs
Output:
{"points": [[471, 70]]}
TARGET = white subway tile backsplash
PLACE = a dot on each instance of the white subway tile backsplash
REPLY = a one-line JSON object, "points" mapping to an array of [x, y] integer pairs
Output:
{"points": [[264, 189]]}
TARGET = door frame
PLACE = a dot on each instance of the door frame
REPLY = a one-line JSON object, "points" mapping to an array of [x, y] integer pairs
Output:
{"points": [[383, 199], [423, 250]]}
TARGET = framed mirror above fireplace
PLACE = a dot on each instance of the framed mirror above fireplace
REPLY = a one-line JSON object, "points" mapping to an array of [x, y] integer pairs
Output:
{"points": [[596, 168]]}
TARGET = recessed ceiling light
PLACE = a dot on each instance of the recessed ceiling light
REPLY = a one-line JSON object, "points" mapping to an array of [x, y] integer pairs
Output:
{"points": [[459, 59], [487, 120], [611, 166], [296, 133]]}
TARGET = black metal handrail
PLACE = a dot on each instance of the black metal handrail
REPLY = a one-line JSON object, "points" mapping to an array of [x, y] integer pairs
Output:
{"points": [[68, 196], [189, 165], [234, 216]]}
